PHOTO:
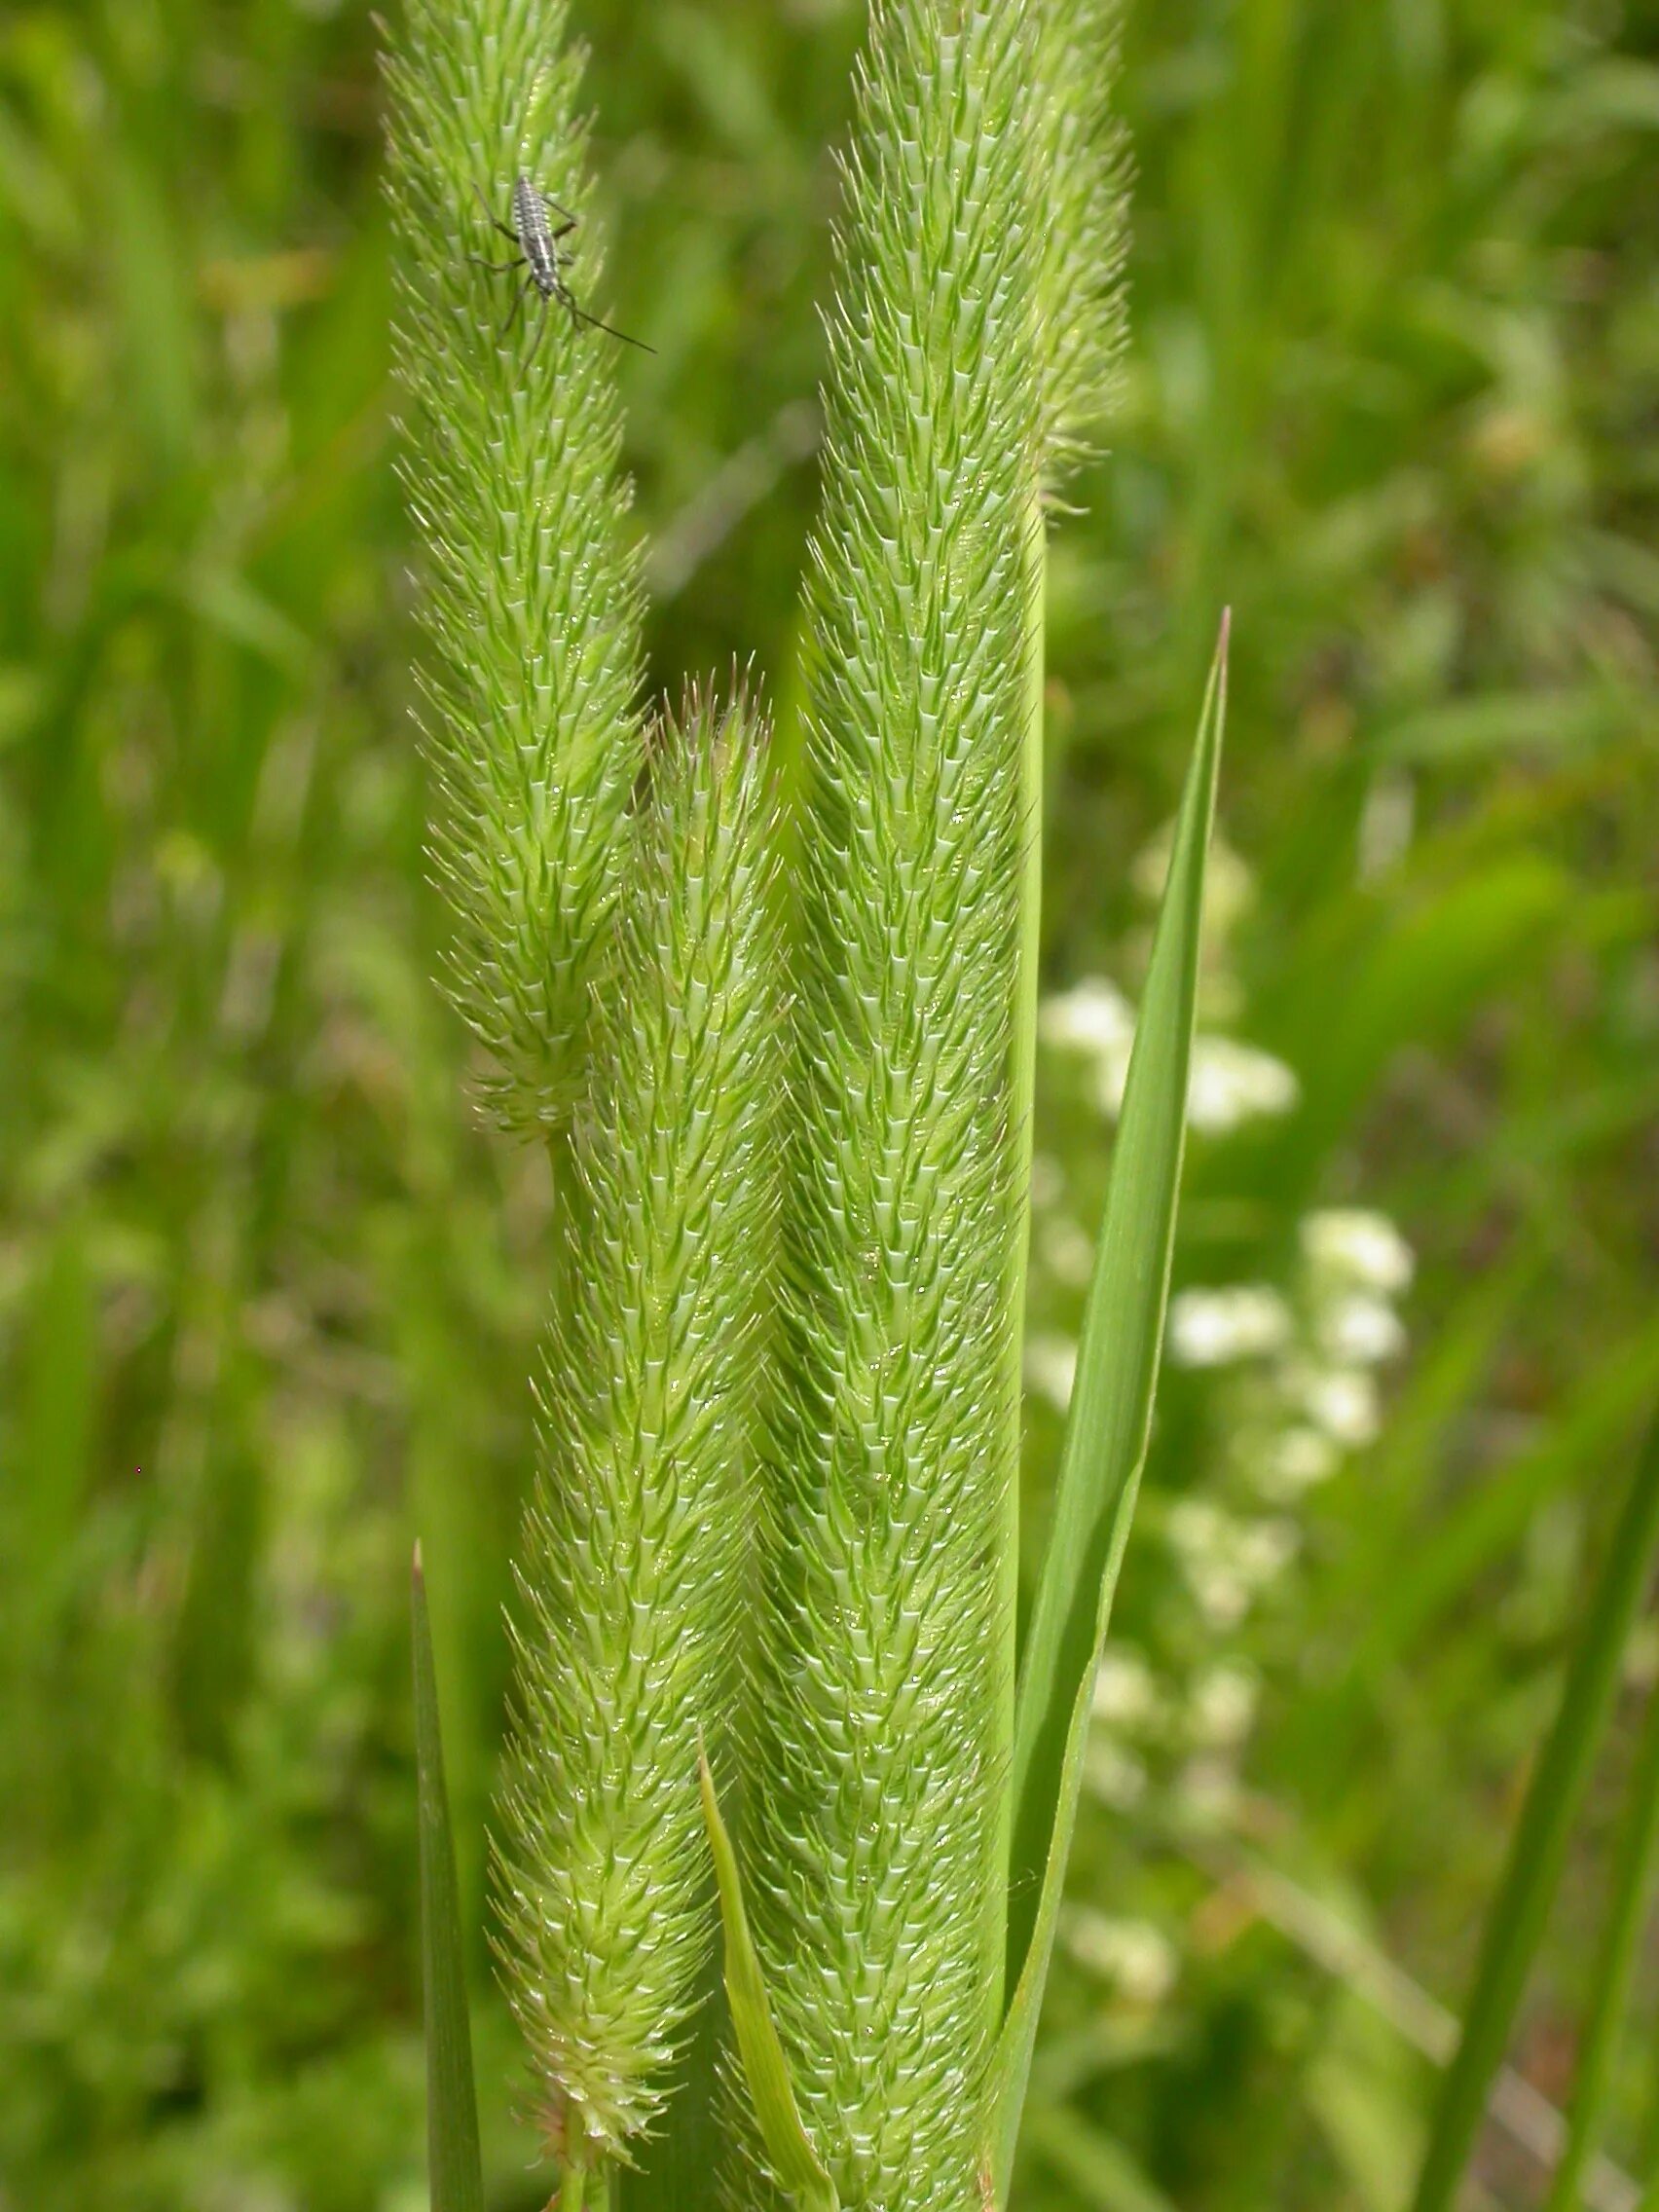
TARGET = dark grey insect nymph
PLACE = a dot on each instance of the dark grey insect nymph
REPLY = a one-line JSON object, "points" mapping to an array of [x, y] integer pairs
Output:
{"points": [[537, 237]]}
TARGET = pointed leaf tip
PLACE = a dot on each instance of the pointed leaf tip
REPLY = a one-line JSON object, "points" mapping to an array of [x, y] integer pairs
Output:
{"points": [[1106, 1430]]}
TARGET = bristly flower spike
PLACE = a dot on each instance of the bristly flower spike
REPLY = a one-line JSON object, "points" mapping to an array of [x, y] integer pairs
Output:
{"points": [[531, 601], [638, 1547], [1082, 169], [873, 1859]]}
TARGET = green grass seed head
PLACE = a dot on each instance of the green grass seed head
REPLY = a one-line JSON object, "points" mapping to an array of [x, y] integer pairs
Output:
{"points": [[530, 598], [1080, 174], [638, 1540], [873, 1848]]}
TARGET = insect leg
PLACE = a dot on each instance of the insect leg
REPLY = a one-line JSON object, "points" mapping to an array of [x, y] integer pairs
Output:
{"points": [[513, 311], [496, 268], [570, 221], [495, 222]]}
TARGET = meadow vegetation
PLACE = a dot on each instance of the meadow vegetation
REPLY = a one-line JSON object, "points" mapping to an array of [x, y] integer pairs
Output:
{"points": [[271, 1290]]}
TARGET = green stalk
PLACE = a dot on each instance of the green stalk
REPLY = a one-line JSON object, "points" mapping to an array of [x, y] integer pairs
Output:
{"points": [[585, 2189]]}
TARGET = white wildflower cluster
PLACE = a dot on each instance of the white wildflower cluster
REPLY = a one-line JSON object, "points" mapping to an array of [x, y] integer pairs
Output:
{"points": [[1294, 1373], [1135, 1957], [1301, 1390], [1213, 1328], [1096, 1022], [1050, 1367], [1290, 1373], [1229, 1559], [1229, 1085]]}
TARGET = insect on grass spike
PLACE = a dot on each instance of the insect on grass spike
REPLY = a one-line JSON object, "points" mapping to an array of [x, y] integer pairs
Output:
{"points": [[537, 237]]}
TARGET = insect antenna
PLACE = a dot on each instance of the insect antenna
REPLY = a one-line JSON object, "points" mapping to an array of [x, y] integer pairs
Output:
{"points": [[609, 328]]}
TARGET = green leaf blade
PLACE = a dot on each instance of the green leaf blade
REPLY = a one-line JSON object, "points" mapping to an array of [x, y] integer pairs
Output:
{"points": [[765, 2069], [1106, 1430], [1515, 1923], [451, 2105], [1632, 1888]]}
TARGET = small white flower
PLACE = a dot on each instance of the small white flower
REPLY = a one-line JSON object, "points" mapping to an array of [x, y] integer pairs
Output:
{"points": [[1229, 888], [1386, 822], [1050, 1368], [1363, 1248], [1292, 1461], [1198, 1528], [1207, 1792], [1093, 1016], [1344, 1403], [1047, 1180], [1210, 1328], [1223, 1594], [1232, 1084], [1064, 1249], [1110, 1079], [1361, 1330], [1266, 1548], [1095, 1019], [1228, 1563], [1134, 1956], [1114, 1774], [1222, 1703], [1124, 1692]]}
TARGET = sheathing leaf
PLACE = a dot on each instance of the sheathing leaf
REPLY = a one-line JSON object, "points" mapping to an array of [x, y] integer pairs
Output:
{"points": [[634, 1564], [760, 2053], [529, 595], [872, 1867]]}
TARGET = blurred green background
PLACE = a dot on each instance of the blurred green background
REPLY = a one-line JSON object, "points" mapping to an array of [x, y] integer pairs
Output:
{"points": [[269, 1295]]}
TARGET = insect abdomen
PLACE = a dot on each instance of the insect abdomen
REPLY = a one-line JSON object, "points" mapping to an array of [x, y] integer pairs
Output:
{"points": [[529, 220]]}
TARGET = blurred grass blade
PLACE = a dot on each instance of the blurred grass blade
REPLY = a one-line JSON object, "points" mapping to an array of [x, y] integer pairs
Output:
{"points": [[1106, 1434], [1094, 2163], [1517, 1917], [795, 2162], [451, 2106], [1632, 1888]]}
